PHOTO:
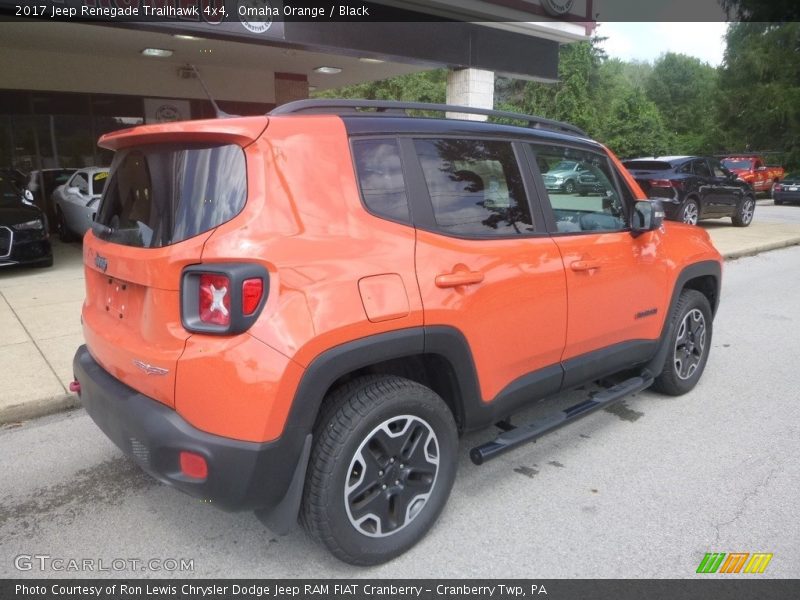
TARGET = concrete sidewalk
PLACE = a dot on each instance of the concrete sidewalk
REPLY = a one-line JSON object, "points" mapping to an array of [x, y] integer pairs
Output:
{"points": [[40, 318]]}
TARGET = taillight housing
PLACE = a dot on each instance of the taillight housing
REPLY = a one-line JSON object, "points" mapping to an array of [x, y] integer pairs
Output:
{"points": [[222, 298], [777, 187], [666, 183]]}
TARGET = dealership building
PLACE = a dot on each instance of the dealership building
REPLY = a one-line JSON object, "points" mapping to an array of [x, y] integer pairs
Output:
{"points": [[63, 83]]}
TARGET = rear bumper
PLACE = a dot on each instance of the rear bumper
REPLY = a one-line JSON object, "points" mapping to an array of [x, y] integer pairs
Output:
{"points": [[241, 475], [784, 196]]}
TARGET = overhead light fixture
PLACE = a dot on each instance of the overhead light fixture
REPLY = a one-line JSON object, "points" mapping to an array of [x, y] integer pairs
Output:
{"points": [[156, 52], [183, 36], [373, 61], [328, 70]]}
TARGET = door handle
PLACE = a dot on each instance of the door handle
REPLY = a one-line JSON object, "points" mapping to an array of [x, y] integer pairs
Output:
{"points": [[584, 265], [457, 278]]}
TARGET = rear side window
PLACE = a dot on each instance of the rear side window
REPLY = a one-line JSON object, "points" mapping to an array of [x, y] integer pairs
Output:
{"points": [[475, 187], [163, 194], [380, 177]]}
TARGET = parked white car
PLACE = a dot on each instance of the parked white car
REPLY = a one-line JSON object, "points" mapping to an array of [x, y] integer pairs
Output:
{"points": [[77, 202]]}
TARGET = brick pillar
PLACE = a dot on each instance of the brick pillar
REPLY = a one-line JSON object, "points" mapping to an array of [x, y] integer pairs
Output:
{"points": [[289, 87], [470, 87]]}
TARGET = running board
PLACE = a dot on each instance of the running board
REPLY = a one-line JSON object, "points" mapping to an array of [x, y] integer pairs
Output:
{"points": [[522, 434]]}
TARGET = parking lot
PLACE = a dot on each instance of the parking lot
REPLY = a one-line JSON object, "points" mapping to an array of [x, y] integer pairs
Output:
{"points": [[668, 478]]}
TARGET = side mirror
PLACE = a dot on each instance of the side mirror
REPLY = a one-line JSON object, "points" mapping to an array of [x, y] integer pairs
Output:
{"points": [[648, 215], [73, 190], [27, 197]]}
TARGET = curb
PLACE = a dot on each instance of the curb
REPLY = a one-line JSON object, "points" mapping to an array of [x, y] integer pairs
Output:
{"points": [[48, 406], [38, 408], [763, 248]]}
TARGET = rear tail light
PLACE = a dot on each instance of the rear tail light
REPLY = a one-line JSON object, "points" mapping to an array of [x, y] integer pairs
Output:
{"points": [[252, 290], [666, 183], [222, 298], [215, 299], [777, 187]]}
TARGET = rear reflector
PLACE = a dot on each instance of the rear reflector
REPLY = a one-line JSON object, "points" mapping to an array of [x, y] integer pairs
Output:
{"points": [[215, 299], [252, 290], [193, 465]]}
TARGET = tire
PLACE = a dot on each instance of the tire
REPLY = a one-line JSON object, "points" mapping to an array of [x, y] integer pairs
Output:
{"points": [[692, 329], [569, 187], [64, 233], [372, 430], [744, 213], [690, 213]]}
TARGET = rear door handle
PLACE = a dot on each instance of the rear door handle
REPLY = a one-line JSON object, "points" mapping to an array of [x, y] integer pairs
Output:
{"points": [[457, 278], [584, 265]]}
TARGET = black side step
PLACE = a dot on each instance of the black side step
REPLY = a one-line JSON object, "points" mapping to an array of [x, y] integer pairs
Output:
{"points": [[523, 434]]}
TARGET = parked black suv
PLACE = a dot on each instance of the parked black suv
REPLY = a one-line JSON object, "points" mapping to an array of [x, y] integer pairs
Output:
{"points": [[694, 188]]}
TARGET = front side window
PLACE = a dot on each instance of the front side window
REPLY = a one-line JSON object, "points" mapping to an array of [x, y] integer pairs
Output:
{"points": [[701, 168], [81, 182], [475, 187], [585, 200], [162, 194], [719, 170]]}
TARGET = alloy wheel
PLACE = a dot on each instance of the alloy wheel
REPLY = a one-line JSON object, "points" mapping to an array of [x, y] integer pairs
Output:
{"points": [[690, 213], [690, 344], [391, 476], [748, 209]]}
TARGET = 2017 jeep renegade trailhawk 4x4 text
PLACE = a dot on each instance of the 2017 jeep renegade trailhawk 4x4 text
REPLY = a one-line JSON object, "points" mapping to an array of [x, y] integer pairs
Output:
{"points": [[299, 313]]}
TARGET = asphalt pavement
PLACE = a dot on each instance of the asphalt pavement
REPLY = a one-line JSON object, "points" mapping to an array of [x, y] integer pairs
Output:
{"points": [[643, 489]]}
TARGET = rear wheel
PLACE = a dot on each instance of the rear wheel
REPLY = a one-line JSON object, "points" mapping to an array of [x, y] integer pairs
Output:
{"points": [[689, 344], [744, 214], [381, 469], [691, 212]]}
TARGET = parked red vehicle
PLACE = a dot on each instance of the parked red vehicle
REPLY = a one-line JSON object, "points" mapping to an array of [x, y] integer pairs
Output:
{"points": [[754, 170]]}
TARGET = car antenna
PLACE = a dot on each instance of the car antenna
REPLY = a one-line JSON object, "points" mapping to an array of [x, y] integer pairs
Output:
{"points": [[221, 114]]}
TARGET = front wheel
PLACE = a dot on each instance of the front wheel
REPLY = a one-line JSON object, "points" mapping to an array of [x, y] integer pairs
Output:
{"points": [[744, 214], [381, 469], [569, 187], [689, 344]]}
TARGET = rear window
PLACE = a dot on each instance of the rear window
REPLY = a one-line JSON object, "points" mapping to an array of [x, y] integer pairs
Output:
{"points": [[163, 194], [647, 165]]}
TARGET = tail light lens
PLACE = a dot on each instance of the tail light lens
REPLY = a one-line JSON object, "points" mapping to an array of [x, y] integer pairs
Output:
{"points": [[252, 290], [777, 187], [666, 183], [215, 299], [222, 298]]}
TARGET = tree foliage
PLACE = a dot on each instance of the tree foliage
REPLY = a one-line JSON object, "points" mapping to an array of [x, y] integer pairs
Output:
{"points": [[677, 105]]}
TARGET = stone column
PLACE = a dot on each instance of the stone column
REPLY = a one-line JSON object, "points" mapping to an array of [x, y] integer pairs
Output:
{"points": [[290, 87], [470, 87]]}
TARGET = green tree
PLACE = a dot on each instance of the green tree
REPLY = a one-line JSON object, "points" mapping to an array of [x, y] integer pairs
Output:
{"points": [[425, 86], [633, 125], [759, 89], [683, 89]]}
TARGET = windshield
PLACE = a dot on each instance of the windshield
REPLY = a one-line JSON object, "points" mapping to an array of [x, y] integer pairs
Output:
{"points": [[565, 165], [737, 164], [99, 182], [9, 194], [793, 177], [647, 165]]}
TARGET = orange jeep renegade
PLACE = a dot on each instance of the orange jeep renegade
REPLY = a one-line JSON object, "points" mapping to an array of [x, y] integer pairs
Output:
{"points": [[299, 313]]}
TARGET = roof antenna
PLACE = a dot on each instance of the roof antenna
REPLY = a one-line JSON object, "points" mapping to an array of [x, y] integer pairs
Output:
{"points": [[221, 114]]}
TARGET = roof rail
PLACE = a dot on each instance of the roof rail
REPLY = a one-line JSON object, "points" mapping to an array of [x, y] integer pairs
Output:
{"points": [[393, 107]]}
